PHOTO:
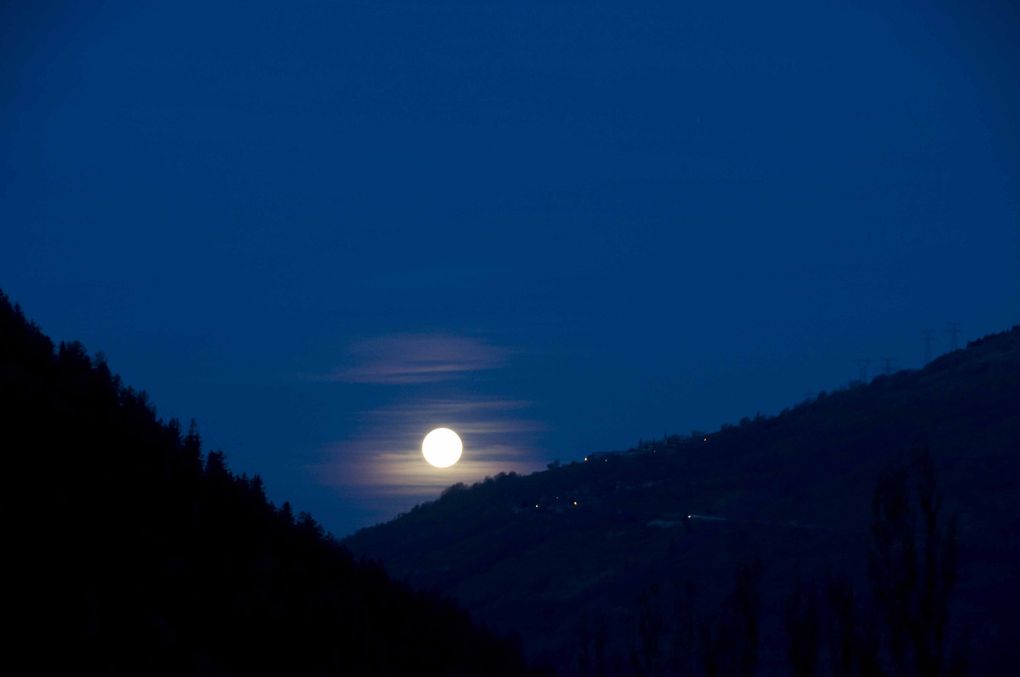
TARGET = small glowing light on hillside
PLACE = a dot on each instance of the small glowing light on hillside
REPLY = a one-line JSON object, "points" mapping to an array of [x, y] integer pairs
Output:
{"points": [[442, 447], [585, 459], [575, 504]]}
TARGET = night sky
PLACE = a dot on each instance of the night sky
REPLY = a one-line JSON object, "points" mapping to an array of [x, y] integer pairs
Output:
{"points": [[322, 229]]}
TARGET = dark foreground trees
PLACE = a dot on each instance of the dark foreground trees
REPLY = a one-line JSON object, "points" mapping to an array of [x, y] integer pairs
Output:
{"points": [[912, 568], [896, 621], [902, 627], [135, 554]]}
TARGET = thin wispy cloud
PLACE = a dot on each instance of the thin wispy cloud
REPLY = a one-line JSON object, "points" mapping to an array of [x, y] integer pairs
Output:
{"points": [[381, 462], [384, 458], [416, 358]]}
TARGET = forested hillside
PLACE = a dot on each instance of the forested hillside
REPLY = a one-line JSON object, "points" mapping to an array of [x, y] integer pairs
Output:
{"points": [[136, 553], [632, 560]]}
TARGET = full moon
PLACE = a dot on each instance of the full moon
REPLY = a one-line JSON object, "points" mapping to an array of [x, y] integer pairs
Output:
{"points": [[442, 447]]}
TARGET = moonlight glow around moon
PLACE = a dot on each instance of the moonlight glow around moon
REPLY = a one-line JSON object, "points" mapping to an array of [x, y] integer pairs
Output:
{"points": [[442, 447]]}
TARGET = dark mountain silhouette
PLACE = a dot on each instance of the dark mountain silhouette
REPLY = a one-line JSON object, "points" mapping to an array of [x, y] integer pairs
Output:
{"points": [[134, 553], [817, 538]]}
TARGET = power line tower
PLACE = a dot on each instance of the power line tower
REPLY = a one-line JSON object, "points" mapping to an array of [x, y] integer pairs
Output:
{"points": [[928, 333], [954, 333], [888, 365]]}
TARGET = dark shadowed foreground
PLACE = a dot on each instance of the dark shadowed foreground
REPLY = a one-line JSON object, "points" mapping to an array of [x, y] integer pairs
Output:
{"points": [[872, 530], [135, 554]]}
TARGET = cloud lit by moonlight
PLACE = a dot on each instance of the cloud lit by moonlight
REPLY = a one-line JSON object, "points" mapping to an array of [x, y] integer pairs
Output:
{"points": [[381, 465], [380, 461]]}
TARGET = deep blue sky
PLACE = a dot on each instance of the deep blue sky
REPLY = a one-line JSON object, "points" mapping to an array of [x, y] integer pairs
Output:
{"points": [[322, 228]]}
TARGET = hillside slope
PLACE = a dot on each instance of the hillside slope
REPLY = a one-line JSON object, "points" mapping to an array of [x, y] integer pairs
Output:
{"points": [[135, 554], [555, 553]]}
